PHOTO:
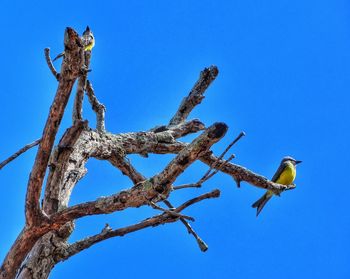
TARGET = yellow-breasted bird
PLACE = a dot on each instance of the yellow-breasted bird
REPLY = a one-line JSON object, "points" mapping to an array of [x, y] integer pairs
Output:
{"points": [[87, 39], [285, 175]]}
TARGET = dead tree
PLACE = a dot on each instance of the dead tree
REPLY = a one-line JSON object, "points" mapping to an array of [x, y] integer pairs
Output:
{"points": [[43, 241]]}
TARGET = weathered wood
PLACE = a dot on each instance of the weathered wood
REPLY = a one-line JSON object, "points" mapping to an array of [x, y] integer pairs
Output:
{"points": [[69, 72], [43, 240], [71, 68]]}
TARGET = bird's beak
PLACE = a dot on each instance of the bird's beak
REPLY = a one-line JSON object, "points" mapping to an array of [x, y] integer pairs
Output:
{"points": [[298, 162]]}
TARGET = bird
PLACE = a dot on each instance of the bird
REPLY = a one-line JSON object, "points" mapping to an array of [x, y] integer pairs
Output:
{"points": [[87, 39], [285, 175]]}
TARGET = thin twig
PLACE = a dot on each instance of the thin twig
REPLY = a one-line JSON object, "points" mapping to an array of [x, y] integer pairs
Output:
{"points": [[202, 245], [149, 222], [19, 152], [97, 107], [219, 167], [170, 212], [241, 134], [213, 194], [189, 185], [205, 177], [50, 64]]}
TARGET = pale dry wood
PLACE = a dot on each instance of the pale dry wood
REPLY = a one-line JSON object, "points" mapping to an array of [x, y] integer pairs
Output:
{"points": [[34, 216], [150, 222], [97, 107], [201, 244], [43, 241], [124, 165], [81, 87], [195, 97], [171, 212], [148, 190], [237, 172], [70, 71], [240, 173]]}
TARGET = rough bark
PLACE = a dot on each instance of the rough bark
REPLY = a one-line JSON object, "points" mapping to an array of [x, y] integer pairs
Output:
{"points": [[43, 241]]}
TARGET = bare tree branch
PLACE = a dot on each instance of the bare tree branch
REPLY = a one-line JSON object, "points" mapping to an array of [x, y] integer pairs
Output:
{"points": [[147, 190], [43, 241], [182, 129], [237, 172], [19, 152], [224, 153], [97, 107], [71, 68], [79, 97], [123, 163], [195, 97], [149, 142], [240, 173], [24, 242], [62, 169], [202, 245], [171, 212], [150, 222], [50, 64], [209, 174], [188, 155]]}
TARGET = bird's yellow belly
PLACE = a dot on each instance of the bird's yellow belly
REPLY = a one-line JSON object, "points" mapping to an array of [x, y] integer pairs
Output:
{"points": [[287, 176]]}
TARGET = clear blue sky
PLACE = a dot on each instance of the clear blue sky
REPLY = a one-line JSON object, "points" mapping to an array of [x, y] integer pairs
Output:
{"points": [[284, 80]]}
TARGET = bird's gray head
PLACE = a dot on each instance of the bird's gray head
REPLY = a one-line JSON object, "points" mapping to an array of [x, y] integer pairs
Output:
{"points": [[290, 159]]}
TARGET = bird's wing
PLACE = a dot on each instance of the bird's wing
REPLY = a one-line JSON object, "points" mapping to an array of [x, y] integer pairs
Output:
{"points": [[278, 172]]}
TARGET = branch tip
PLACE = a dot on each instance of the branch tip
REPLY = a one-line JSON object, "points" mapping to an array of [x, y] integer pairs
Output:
{"points": [[50, 64], [19, 152], [195, 97]]}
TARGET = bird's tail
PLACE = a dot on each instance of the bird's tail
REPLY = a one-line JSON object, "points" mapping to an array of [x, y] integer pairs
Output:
{"points": [[260, 203]]}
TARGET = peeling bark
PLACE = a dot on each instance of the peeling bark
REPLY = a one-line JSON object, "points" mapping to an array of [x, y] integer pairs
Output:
{"points": [[43, 241]]}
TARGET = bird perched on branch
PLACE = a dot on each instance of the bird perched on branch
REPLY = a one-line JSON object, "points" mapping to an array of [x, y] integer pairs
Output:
{"points": [[87, 39], [285, 175]]}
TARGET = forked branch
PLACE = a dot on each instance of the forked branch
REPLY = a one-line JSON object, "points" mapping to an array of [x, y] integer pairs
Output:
{"points": [[70, 70], [66, 164], [150, 222]]}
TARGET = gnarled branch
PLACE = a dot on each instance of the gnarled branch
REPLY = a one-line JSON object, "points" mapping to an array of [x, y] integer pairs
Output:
{"points": [[150, 222], [147, 190], [71, 68], [53, 225]]}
